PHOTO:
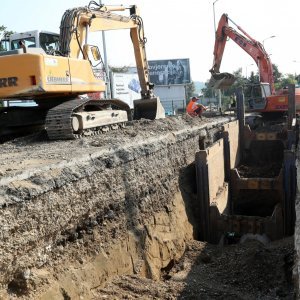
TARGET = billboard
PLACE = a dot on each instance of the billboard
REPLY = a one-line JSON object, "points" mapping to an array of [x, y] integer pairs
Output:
{"points": [[126, 87], [169, 71]]}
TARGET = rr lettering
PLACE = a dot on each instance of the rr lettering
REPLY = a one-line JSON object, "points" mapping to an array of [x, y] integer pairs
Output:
{"points": [[9, 81]]}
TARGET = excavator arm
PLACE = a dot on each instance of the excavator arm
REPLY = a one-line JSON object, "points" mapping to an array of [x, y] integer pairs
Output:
{"points": [[254, 48], [77, 23]]}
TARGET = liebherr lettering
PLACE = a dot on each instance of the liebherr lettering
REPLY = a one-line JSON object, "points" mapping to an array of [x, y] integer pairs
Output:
{"points": [[8, 81], [58, 80]]}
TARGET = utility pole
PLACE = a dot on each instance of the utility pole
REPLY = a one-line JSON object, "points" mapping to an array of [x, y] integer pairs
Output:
{"points": [[107, 77], [220, 100], [219, 91]]}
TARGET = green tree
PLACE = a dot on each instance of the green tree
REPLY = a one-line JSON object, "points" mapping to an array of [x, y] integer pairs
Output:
{"points": [[2, 29], [282, 80], [4, 34], [253, 78], [207, 91], [276, 74], [190, 91], [285, 80]]}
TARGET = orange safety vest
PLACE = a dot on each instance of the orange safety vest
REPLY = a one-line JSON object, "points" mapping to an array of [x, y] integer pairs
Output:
{"points": [[191, 107]]}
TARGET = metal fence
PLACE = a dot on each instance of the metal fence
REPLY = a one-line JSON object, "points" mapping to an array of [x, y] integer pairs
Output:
{"points": [[174, 107]]}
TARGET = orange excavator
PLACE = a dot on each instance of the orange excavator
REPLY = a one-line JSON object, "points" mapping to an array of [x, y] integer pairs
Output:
{"points": [[263, 97]]}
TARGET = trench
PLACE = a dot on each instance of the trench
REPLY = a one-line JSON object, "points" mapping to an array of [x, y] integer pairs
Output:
{"points": [[131, 208], [249, 195], [263, 159]]}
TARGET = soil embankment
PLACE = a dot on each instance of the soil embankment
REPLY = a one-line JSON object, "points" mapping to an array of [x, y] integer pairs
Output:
{"points": [[94, 218], [75, 213]]}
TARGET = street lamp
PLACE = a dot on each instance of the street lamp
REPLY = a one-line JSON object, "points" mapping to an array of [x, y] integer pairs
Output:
{"points": [[296, 62], [270, 37], [107, 77], [246, 70], [214, 14]]}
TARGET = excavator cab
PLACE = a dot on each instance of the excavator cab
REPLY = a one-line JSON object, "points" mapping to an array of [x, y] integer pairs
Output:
{"points": [[48, 41], [256, 95]]}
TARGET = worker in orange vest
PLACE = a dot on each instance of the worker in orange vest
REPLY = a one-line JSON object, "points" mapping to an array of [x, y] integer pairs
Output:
{"points": [[195, 109]]}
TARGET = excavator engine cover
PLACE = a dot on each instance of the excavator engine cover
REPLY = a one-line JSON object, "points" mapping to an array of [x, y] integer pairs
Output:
{"points": [[148, 109], [221, 80]]}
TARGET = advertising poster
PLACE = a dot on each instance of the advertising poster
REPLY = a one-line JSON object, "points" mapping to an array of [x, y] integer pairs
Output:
{"points": [[126, 87], [169, 71]]}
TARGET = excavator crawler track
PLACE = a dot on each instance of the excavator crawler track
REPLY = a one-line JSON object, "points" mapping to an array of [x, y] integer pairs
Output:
{"points": [[59, 119]]}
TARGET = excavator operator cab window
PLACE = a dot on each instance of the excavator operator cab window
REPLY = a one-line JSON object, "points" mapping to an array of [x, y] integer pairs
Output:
{"points": [[256, 95], [266, 89], [49, 42], [256, 92], [28, 42]]}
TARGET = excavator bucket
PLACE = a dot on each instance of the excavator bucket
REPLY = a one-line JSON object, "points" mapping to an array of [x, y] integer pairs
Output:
{"points": [[221, 80], [148, 109]]}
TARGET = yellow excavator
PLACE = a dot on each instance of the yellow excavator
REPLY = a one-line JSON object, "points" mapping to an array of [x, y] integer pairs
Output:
{"points": [[57, 79]]}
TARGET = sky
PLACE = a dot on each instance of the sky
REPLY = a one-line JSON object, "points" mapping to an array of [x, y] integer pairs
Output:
{"points": [[181, 29]]}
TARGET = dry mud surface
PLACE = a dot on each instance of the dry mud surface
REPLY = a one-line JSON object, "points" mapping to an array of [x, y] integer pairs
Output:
{"points": [[77, 215]]}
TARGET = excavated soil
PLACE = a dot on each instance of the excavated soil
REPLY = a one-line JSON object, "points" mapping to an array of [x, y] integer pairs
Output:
{"points": [[35, 151], [112, 217], [75, 213], [242, 271], [265, 170]]}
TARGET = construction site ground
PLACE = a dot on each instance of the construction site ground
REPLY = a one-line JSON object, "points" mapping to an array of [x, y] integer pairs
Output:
{"points": [[60, 242], [241, 271]]}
